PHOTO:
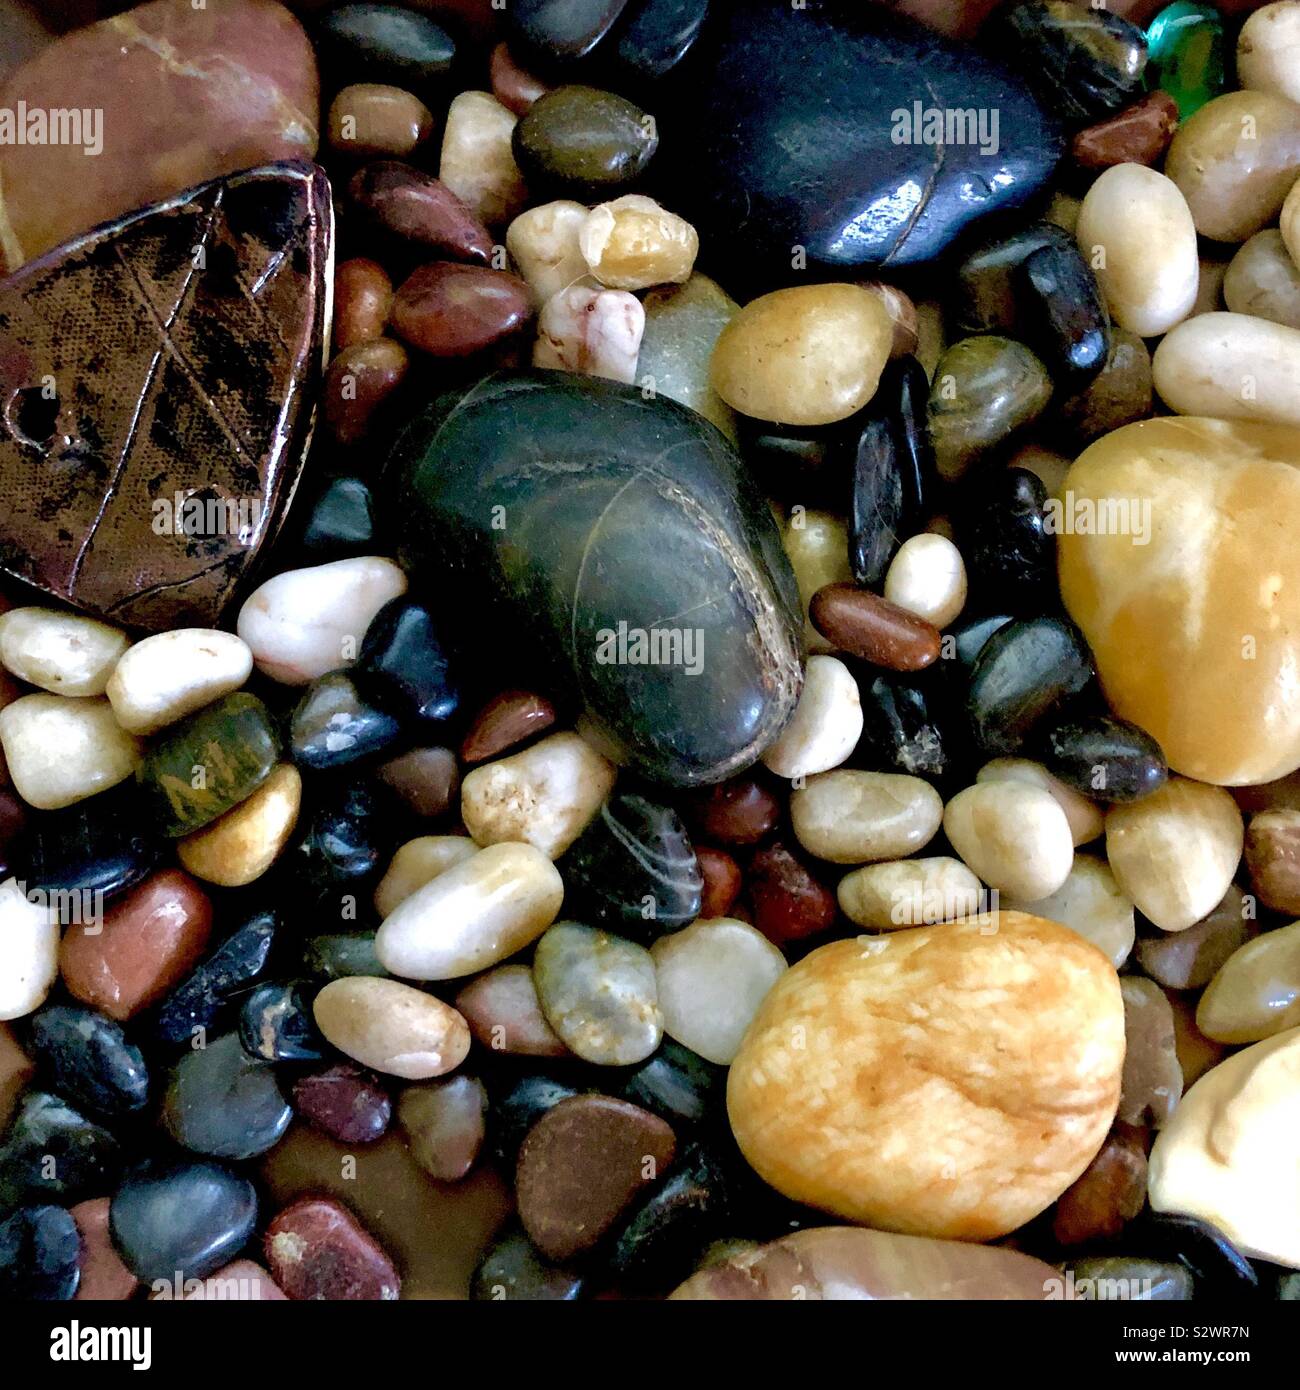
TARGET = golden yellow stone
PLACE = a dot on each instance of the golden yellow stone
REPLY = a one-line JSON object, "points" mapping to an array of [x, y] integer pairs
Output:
{"points": [[1191, 597], [241, 846], [950, 1080]]}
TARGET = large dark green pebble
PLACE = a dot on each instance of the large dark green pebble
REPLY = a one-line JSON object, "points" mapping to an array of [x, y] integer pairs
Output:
{"points": [[222, 1103], [186, 1218], [1105, 758], [633, 870], [208, 763], [90, 1060], [580, 142], [53, 1153], [40, 1253]]}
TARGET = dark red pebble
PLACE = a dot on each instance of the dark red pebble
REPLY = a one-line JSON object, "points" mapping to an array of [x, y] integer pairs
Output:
{"points": [[505, 722], [740, 812], [345, 1102], [788, 901], [317, 1250], [721, 881], [451, 310], [415, 206]]}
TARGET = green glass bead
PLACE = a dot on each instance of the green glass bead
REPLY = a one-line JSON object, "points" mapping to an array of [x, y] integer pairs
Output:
{"points": [[208, 763], [1187, 55]]}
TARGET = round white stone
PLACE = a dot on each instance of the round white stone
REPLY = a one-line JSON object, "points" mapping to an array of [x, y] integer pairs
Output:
{"points": [[928, 577], [165, 677], [29, 952], [60, 751]]}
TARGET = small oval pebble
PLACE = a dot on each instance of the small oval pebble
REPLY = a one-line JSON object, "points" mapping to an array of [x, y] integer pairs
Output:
{"points": [[167, 676], [1109, 1193], [508, 719], [316, 1249], [544, 796], [60, 652], [740, 812], [345, 1102], [304, 623], [1106, 758], [599, 994], [581, 142], [472, 915], [426, 779], [39, 1255], [239, 847], [61, 750], [1013, 836], [1256, 992], [90, 1060], [391, 1027], [789, 901], [359, 381], [594, 331], [850, 817], [478, 162], [363, 295], [711, 979], [1262, 280], [1086, 819], [927, 577], [504, 1014], [1189, 959], [1174, 853], [1089, 902], [369, 118], [451, 310], [817, 546], [810, 355], [873, 629], [29, 951], [1140, 134], [633, 243], [826, 726], [1136, 232], [543, 243], [910, 893], [443, 1123], [512, 85]]}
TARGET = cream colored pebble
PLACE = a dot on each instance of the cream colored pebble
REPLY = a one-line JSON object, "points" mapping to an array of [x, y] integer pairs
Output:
{"points": [[1091, 903], [165, 677], [817, 545], [827, 722], [61, 750], [1289, 223], [633, 243], [1085, 817], [1262, 280], [590, 330], [1013, 836], [1230, 367], [1228, 1154], [910, 893], [711, 978], [1268, 50], [544, 796], [418, 862], [1256, 992], [1174, 852], [29, 951], [391, 1027], [477, 161], [65, 653], [928, 577], [852, 817], [472, 915], [543, 244], [1136, 232]]}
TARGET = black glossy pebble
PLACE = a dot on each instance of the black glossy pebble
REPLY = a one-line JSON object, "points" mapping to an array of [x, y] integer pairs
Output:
{"points": [[1010, 554], [404, 667], [554, 35], [53, 1153], [677, 1084], [511, 1270], [276, 1023], [340, 522], [651, 38], [201, 1003], [89, 1059], [1027, 672], [98, 845], [334, 725], [1105, 758], [633, 871], [383, 43], [342, 844], [181, 1218], [223, 1103], [1065, 318], [1221, 1272], [902, 728], [40, 1255]]}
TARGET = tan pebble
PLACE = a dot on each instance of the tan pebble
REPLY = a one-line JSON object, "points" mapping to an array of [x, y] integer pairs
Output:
{"points": [[239, 847], [1262, 280], [29, 951], [370, 119], [1230, 367], [391, 1027], [65, 653], [1013, 835], [633, 243], [1091, 903], [477, 162], [1268, 50], [589, 330], [910, 893], [543, 243], [851, 817], [1273, 858], [171, 674], [1153, 1076], [1085, 817], [60, 750], [1256, 993], [817, 546], [418, 862]]}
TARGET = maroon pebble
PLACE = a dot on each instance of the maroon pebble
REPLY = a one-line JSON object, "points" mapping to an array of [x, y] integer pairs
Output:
{"points": [[344, 1101], [789, 903], [417, 207], [103, 1275], [317, 1250], [360, 379], [452, 310], [425, 778], [363, 295], [505, 722], [740, 812], [514, 87], [1138, 135], [721, 881]]}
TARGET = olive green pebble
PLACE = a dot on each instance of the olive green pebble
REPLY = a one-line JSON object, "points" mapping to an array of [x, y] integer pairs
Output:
{"points": [[582, 142]]}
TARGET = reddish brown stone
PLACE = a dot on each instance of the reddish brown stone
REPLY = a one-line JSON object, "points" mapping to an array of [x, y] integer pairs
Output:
{"points": [[444, 1123], [103, 1275], [451, 310], [318, 1250], [504, 1015], [13, 817], [16, 1069], [426, 779], [371, 118], [721, 881], [582, 1165], [363, 295], [742, 811], [788, 901], [147, 943], [187, 93], [1138, 135], [344, 1101], [867, 626], [359, 381], [506, 721], [1108, 1194], [415, 206], [170, 381], [241, 1281], [512, 86]]}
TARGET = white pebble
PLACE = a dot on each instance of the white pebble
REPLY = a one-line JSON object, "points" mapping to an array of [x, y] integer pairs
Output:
{"points": [[712, 977], [1230, 367], [305, 623], [1013, 836], [910, 893], [1268, 50], [167, 676], [852, 817], [61, 751], [29, 951], [827, 722], [1091, 903], [1085, 817], [65, 653], [477, 161], [594, 331], [543, 243], [544, 796], [928, 578]]}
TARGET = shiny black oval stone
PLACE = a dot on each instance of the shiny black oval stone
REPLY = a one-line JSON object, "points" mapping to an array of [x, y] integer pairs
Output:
{"points": [[89, 1059], [1108, 759]]}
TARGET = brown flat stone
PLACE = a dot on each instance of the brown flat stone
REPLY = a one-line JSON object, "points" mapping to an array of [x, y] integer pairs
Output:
{"points": [[427, 779], [867, 626], [1138, 135], [103, 1275], [506, 721], [363, 295], [504, 1015], [582, 1165], [148, 943]]}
